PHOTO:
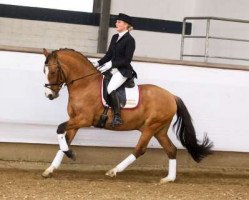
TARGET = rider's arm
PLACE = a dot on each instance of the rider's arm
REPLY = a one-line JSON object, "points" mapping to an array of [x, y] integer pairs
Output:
{"points": [[108, 55]]}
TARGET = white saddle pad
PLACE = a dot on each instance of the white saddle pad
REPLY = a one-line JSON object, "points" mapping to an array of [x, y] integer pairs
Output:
{"points": [[132, 97]]}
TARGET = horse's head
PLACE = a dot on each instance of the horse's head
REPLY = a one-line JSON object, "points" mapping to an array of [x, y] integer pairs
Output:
{"points": [[54, 75]]}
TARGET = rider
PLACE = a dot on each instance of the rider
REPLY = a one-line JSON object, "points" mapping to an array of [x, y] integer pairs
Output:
{"points": [[118, 59]]}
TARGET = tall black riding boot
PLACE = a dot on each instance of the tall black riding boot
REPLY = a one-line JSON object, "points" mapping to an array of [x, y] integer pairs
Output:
{"points": [[116, 109]]}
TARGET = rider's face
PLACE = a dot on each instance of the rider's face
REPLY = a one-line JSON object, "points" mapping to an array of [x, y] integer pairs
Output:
{"points": [[121, 26]]}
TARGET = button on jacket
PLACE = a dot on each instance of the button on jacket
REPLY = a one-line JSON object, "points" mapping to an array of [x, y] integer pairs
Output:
{"points": [[120, 53]]}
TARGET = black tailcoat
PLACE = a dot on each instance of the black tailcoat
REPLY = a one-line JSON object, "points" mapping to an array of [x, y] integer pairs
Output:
{"points": [[120, 53]]}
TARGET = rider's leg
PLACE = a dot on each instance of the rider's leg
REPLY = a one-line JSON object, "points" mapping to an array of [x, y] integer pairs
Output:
{"points": [[116, 81]]}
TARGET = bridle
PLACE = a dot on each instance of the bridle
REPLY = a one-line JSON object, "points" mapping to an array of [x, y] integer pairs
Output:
{"points": [[61, 76]]}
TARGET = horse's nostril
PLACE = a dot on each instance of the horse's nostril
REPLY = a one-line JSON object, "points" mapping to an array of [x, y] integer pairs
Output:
{"points": [[50, 96]]}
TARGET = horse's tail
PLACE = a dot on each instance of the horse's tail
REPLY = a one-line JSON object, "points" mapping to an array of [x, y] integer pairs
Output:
{"points": [[185, 132]]}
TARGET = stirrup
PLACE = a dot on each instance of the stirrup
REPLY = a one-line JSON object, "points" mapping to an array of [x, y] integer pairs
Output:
{"points": [[116, 121]]}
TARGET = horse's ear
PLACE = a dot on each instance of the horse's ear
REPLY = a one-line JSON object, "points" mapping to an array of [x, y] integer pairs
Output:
{"points": [[45, 52]]}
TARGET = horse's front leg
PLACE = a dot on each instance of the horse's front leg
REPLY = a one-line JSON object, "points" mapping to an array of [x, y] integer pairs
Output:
{"points": [[63, 140], [71, 127], [66, 139]]}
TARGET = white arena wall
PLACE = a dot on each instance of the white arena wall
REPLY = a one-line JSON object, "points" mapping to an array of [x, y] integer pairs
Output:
{"points": [[216, 98]]}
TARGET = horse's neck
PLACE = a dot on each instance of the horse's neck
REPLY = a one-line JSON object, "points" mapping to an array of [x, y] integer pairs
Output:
{"points": [[85, 92], [85, 83], [79, 68]]}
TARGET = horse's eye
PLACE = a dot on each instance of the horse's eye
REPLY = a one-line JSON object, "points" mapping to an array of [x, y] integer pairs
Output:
{"points": [[52, 73]]}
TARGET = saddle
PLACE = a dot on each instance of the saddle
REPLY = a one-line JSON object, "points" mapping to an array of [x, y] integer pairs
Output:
{"points": [[128, 95], [121, 91]]}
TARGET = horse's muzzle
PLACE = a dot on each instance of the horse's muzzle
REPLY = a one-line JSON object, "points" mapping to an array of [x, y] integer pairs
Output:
{"points": [[50, 94]]}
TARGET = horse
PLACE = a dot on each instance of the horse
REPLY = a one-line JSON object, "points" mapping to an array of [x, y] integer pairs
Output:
{"points": [[152, 117]]}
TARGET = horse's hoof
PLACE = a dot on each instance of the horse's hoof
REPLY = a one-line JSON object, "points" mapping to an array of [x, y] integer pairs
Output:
{"points": [[70, 154], [46, 174], [112, 172], [167, 180], [73, 156]]}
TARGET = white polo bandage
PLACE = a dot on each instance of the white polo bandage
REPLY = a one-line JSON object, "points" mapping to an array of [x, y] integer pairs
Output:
{"points": [[125, 163], [62, 142], [58, 159], [172, 168]]}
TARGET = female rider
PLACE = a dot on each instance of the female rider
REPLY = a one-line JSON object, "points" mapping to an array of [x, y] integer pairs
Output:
{"points": [[118, 60]]}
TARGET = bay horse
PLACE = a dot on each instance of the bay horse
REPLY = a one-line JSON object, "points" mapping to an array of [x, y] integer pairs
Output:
{"points": [[152, 117]]}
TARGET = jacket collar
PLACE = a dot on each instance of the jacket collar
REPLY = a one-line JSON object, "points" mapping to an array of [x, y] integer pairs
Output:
{"points": [[125, 35], [122, 33]]}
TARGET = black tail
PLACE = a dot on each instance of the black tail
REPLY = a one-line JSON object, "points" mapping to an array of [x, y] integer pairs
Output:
{"points": [[185, 132]]}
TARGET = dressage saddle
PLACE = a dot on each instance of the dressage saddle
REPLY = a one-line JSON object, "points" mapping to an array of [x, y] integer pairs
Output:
{"points": [[121, 94]]}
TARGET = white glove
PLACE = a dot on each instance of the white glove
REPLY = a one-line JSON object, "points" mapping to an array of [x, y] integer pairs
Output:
{"points": [[95, 63], [105, 67]]}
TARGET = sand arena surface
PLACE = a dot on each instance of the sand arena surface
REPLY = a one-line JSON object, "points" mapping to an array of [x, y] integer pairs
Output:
{"points": [[20, 181]]}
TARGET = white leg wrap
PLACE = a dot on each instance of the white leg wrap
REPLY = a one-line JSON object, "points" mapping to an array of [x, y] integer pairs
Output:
{"points": [[54, 165], [172, 172], [172, 169], [125, 163], [62, 142], [58, 159]]}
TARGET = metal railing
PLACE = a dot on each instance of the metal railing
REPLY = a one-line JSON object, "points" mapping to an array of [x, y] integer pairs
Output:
{"points": [[209, 37]]}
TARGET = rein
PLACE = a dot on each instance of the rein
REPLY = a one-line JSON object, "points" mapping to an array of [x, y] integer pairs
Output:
{"points": [[72, 81]]}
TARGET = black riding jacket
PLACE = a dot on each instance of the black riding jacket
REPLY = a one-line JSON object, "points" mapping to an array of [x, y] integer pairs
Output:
{"points": [[120, 53]]}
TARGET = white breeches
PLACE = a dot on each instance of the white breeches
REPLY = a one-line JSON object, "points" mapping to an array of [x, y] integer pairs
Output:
{"points": [[116, 81]]}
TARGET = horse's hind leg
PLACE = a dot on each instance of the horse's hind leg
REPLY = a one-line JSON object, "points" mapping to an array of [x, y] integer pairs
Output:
{"points": [[171, 151], [60, 154], [139, 151]]}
